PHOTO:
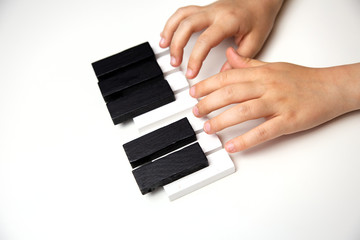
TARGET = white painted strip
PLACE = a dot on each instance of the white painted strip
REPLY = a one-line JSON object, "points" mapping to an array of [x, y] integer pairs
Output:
{"points": [[208, 142], [196, 123], [220, 165], [177, 81], [156, 48], [183, 102]]}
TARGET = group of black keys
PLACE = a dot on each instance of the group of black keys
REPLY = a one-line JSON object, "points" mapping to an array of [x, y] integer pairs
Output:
{"points": [[132, 83]]}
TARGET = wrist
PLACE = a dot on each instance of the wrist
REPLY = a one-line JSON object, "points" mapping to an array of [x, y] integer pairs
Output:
{"points": [[346, 82], [275, 4]]}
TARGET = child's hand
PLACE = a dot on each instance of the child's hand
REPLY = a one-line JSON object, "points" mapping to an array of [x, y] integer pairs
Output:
{"points": [[291, 98], [249, 21]]}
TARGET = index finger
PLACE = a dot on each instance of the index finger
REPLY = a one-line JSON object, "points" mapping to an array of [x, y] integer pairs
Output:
{"points": [[220, 80], [210, 38], [173, 23]]}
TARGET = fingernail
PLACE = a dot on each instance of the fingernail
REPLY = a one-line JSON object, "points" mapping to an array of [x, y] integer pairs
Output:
{"points": [[173, 61], [162, 41], [192, 91], [207, 127], [230, 147], [189, 73], [196, 111]]}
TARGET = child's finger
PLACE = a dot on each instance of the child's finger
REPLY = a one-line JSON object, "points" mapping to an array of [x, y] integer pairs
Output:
{"points": [[173, 23], [233, 93], [222, 79], [226, 66], [268, 130], [250, 45], [186, 28], [249, 110], [210, 38], [237, 61]]}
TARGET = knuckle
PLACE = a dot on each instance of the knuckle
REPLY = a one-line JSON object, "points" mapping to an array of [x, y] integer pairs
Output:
{"points": [[187, 24], [232, 15], [264, 71], [290, 119], [290, 116], [261, 133], [228, 92], [181, 11], [186, 10], [203, 40], [244, 110], [222, 78], [192, 8]]}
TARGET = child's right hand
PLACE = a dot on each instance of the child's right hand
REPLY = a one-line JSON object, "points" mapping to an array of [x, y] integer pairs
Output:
{"points": [[249, 21]]}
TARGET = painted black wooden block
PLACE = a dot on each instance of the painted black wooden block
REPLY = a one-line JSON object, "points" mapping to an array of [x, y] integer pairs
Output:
{"points": [[145, 97], [159, 142], [170, 168], [138, 73], [123, 59]]}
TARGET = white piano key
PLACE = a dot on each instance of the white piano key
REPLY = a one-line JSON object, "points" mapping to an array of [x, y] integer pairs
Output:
{"points": [[156, 48], [208, 142], [196, 123], [182, 102], [220, 165], [177, 81], [164, 63]]}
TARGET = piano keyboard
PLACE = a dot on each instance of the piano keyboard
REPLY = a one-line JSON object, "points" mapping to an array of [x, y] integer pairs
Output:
{"points": [[173, 152]]}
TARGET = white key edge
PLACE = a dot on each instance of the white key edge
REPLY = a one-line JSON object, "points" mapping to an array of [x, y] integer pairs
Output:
{"points": [[182, 102], [220, 166]]}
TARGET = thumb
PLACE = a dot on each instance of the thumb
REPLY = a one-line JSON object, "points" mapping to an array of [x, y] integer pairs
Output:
{"points": [[237, 61], [225, 67]]}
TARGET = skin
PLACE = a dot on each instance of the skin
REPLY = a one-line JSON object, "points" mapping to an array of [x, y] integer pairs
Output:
{"points": [[249, 22], [291, 98]]}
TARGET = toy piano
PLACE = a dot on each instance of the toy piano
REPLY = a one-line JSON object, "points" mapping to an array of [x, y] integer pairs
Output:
{"points": [[173, 152]]}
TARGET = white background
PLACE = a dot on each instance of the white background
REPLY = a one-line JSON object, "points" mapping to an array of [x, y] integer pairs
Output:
{"points": [[64, 175]]}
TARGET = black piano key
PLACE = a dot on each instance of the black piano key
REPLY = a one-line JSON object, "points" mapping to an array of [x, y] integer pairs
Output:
{"points": [[123, 59], [145, 97], [170, 168], [159, 142], [138, 73]]}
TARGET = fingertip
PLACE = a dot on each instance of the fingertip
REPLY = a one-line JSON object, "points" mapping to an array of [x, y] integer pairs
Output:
{"points": [[230, 147], [235, 60], [231, 53], [190, 73], [192, 91], [195, 111], [225, 67], [231, 50], [162, 42], [207, 127], [173, 61]]}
